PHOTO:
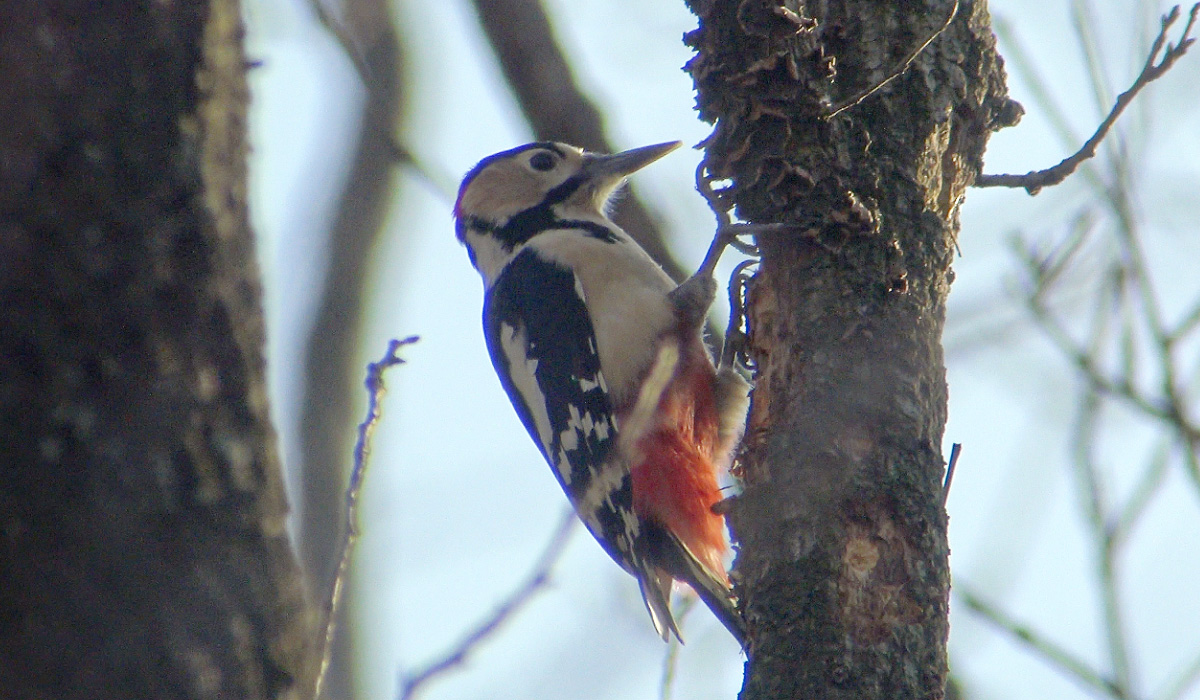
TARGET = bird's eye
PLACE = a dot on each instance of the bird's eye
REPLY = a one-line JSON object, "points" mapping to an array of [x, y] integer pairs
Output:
{"points": [[542, 160]]}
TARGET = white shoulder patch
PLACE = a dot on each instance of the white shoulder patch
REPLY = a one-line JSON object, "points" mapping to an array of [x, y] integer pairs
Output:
{"points": [[522, 371]]}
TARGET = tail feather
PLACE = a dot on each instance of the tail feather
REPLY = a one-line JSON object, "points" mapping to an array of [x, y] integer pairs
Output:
{"points": [[656, 592], [709, 585], [673, 560]]}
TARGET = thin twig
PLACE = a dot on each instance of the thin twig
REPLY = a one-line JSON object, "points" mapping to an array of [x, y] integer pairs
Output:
{"points": [[955, 451], [897, 71], [1187, 678], [1034, 181], [352, 48], [1084, 21], [1147, 487], [1092, 490], [1086, 363], [1047, 650], [1189, 323], [362, 450], [674, 646], [442, 184], [1020, 58], [411, 685], [1173, 399]]}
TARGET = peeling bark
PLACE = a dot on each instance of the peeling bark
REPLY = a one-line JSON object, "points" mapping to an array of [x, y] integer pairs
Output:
{"points": [[842, 554], [143, 550]]}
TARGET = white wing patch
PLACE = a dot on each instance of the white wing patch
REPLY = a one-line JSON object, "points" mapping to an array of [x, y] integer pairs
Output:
{"points": [[578, 425], [640, 421], [605, 481], [522, 372]]}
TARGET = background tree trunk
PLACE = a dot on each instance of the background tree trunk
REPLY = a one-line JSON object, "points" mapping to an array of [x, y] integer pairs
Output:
{"points": [[842, 566], [143, 552], [333, 372]]}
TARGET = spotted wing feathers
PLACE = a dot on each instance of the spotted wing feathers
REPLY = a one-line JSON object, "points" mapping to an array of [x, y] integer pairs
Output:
{"points": [[542, 344]]}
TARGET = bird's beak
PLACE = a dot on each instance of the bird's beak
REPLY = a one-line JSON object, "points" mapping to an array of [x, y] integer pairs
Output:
{"points": [[619, 165]]}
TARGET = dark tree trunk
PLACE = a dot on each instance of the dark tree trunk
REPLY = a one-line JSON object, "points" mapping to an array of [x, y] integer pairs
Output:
{"points": [[142, 544], [842, 567]]}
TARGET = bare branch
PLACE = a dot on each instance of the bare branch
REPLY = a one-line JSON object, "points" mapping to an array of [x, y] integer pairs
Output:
{"points": [[439, 181], [329, 402], [362, 449], [1167, 409], [897, 71], [1190, 322], [411, 685], [376, 124], [1043, 648], [1154, 69], [1092, 488], [352, 47]]}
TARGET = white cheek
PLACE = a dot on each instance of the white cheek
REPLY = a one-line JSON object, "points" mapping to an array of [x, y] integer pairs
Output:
{"points": [[490, 256]]}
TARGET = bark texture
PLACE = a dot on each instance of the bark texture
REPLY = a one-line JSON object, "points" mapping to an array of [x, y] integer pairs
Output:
{"points": [[842, 567], [142, 544]]}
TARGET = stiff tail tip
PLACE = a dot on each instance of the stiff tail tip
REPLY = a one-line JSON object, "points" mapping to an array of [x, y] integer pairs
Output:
{"points": [[656, 592], [656, 585]]}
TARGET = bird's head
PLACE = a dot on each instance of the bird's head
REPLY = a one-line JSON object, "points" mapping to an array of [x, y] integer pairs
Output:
{"points": [[538, 183]]}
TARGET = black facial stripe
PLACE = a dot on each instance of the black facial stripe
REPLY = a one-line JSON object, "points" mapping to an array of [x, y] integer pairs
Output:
{"points": [[529, 223], [566, 189], [592, 228], [525, 225]]}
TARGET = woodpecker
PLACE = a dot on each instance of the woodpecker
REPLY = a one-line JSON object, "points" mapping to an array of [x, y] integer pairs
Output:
{"points": [[602, 356]]}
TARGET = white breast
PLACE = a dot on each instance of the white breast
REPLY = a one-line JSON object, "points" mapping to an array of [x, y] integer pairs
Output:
{"points": [[626, 293]]}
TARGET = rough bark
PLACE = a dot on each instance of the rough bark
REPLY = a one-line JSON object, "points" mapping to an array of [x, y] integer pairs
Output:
{"points": [[332, 403], [143, 552], [842, 566]]}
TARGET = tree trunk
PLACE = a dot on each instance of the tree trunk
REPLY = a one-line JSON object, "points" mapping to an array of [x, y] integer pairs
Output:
{"points": [[842, 563], [143, 552]]}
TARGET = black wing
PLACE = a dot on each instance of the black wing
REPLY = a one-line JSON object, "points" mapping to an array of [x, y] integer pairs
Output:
{"points": [[543, 346]]}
